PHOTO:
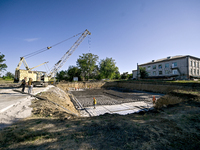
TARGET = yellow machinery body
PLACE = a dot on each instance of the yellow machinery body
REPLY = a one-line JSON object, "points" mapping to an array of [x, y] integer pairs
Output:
{"points": [[37, 77]]}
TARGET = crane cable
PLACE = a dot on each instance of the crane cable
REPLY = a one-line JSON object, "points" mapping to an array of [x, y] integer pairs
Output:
{"points": [[47, 48]]}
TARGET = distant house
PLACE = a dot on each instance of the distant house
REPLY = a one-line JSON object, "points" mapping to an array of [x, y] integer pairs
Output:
{"points": [[179, 67], [134, 72]]}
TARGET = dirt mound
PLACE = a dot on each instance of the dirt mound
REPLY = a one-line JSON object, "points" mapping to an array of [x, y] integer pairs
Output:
{"points": [[63, 87], [48, 109], [176, 97], [167, 100]]}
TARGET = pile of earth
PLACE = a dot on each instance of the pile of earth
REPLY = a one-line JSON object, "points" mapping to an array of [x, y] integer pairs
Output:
{"points": [[45, 108]]}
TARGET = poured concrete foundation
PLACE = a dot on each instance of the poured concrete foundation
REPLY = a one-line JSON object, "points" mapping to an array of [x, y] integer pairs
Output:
{"points": [[114, 100]]}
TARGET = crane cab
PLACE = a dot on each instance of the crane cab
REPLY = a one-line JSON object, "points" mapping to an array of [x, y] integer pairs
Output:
{"points": [[38, 77]]}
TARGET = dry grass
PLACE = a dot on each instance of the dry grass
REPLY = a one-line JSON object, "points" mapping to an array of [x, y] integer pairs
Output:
{"points": [[6, 81], [177, 96], [174, 127], [167, 100]]}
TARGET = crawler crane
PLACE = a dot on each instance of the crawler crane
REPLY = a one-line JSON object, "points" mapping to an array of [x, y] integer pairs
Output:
{"points": [[41, 77]]}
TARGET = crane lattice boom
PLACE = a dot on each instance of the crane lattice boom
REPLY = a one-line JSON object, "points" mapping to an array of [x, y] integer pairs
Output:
{"points": [[65, 57]]}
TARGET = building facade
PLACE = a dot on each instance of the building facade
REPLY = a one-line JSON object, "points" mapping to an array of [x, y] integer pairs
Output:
{"points": [[179, 67], [134, 72]]}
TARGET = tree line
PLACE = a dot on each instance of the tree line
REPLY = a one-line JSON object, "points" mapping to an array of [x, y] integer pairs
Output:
{"points": [[87, 68], [3, 66]]}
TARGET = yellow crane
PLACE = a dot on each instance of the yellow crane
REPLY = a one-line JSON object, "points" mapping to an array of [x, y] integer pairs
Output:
{"points": [[20, 73], [41, 77], [22, 59]]}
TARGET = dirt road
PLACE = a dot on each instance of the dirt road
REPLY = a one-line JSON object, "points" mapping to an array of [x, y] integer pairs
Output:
{"points": [[15, 105]]}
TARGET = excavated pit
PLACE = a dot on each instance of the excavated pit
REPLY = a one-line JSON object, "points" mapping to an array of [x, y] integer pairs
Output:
{"points": [[112, 96], [112, 100]]}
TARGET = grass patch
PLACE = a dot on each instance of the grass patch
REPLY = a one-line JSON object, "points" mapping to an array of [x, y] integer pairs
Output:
{"points": [[176, 127], [172, 127], [6, 80]]}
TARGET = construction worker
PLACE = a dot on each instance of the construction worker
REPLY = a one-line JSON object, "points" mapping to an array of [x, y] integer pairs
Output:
{"points": [[30, 85], [154, 99], [94, 102], [23, 84]]}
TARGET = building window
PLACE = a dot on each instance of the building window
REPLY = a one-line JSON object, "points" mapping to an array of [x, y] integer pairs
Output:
{"points": [[159, 66], [190, 63], [191, 71], [194, 64], [149, 73], [167, 65], [174, 64], [194, 71], [160, 72], [166, 71], [197, 72], [149, 68], [154, 73], [198, 64], [154, 66], [175, 71]]}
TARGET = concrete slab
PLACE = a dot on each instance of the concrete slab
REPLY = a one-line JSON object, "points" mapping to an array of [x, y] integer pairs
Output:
{"points": [[98, 111], [141, 103], [127, 112], [115, 108], [122, 109]]}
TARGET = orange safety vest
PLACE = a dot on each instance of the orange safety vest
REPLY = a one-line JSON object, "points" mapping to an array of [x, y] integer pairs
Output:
{"points": [[154, 99]]}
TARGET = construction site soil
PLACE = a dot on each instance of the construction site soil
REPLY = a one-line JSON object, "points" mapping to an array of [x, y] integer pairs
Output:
{"points": [[46, 108], [111, 96], [51, 127]]}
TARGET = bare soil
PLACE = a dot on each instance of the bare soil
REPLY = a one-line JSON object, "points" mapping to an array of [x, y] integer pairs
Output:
{"points": [[172, 127], [47, 108]]}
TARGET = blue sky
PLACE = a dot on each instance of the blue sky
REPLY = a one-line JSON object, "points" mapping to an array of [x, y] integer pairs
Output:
{"points": [[129, 31]]}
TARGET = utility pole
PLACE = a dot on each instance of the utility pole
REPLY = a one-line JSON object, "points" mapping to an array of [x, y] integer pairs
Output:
{"points": [[137, 72]]}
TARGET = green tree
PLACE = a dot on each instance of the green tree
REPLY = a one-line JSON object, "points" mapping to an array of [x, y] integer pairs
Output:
{"points": [[117, 75], [143, 72], [74, 71], [62, 75], [10, 75], [124, 75], [3, 66], [87, 64], [130, 76], [95, 73], [108, 68]]}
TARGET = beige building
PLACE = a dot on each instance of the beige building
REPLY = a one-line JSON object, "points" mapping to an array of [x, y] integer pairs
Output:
{"points": [[134, 72], [179, 67]]}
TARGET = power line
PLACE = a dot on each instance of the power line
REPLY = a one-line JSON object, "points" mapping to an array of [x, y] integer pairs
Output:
{"points": [[35, 53], [47, 48]]}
